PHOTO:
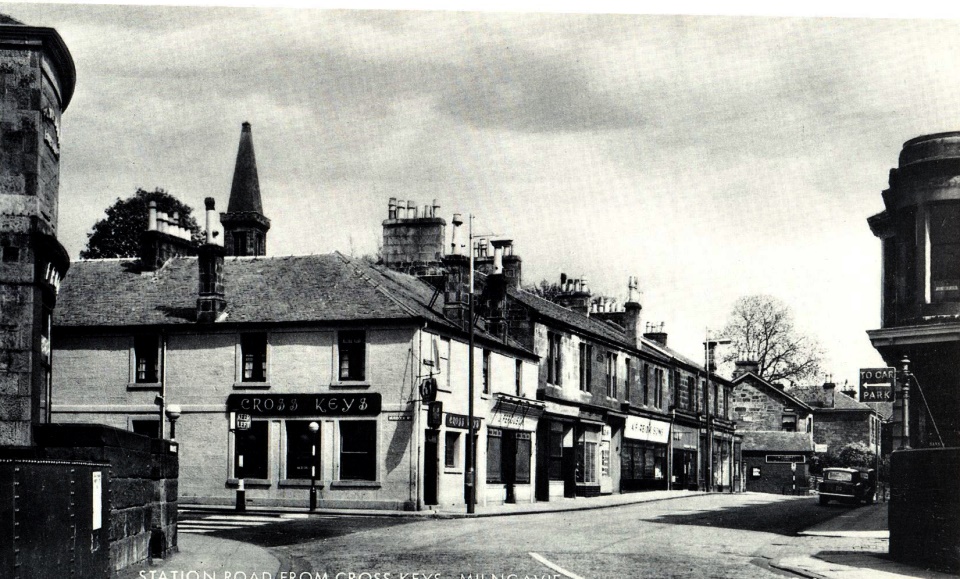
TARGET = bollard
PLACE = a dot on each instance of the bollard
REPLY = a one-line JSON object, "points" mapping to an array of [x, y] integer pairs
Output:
{"points": [[241, 497]]}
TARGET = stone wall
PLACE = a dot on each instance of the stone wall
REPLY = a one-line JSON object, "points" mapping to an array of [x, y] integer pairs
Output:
{"points": [[837, 429], [755, 408], [143, 475], [924, 516]]}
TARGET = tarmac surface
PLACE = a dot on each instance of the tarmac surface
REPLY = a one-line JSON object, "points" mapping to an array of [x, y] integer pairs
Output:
{"points": [[855, 542]]}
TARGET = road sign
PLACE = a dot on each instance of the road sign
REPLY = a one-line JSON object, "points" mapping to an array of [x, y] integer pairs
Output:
{"points": [[876, 384], [243, 422]]}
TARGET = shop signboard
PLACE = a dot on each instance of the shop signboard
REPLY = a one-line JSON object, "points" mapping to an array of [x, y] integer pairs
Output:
{"points": [[280, 405], [640, 428], [460, 421]]}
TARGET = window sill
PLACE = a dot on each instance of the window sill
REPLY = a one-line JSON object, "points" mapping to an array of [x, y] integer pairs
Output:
{"points": [[296, 483], [347, 384], [354, 484], [143, 386], [251, 385], [453, 471], [250, 483]]}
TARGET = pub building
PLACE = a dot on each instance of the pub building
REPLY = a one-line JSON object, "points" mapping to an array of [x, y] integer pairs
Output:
{"points": [[276, 374]]}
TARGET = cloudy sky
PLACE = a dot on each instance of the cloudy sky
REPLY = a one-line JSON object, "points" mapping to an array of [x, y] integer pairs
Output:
{"points": [[712, 157]]}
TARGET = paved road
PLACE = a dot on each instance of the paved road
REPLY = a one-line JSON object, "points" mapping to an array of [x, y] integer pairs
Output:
{"points": [[700, 536]]}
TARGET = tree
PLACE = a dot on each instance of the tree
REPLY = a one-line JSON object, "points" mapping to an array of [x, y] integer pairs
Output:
{"points": [[851, 455], [761, 326], [118, 235], [545, 289]]}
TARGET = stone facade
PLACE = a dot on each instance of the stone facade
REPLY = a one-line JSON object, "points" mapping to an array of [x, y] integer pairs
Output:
{"points": [[759, 406]]}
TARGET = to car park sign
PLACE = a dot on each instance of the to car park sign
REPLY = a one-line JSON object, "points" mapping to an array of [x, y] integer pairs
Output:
{"points": [[876, 384]]}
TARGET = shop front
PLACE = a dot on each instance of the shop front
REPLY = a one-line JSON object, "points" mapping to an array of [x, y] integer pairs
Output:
{"points": [[643, 454], [556, 452], [589, 441], [685, 460], [511, 437]]}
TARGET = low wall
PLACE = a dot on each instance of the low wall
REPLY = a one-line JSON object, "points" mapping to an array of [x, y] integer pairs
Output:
{"points": [[143, 485], [924, 514]]}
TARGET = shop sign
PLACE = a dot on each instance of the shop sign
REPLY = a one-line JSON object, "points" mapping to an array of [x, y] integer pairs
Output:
{"points": [[561, 409], [639, 428], [461, 421], [434, 413], [243, 422], [512, 420], [786, 458], [305, 404]]}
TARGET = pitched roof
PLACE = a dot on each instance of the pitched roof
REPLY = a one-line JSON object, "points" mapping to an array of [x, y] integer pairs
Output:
{"points": [[775, 441], [595, 326], [245, 191], [771, 388], [815, 396]]}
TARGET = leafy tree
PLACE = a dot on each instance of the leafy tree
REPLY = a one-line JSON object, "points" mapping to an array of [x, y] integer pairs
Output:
{"points": [[761, 326], [118, 235], [852, 455]]}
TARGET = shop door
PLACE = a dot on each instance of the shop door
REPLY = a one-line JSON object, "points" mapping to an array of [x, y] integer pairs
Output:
{"points": [[679, 469], [431, 457], [508, 465]]}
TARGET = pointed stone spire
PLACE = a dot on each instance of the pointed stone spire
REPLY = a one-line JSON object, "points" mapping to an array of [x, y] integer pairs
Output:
{"points": [[244, 224]]}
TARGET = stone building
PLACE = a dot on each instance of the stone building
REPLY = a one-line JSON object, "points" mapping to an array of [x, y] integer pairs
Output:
{"points": [[839, 419], [919, 231]]}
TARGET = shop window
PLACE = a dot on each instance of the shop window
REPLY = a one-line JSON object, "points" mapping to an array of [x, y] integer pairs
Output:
{"points": [[146, 352], [555, 451], [251, 451], [451, 450], [522, 457], [554, 362], [611, 374], [358, 450], [494, 455], [253, 353], [789, 423], [586, 367], [303, 449], [352, 346], [486, 371], [945, 252], [146, 427]]}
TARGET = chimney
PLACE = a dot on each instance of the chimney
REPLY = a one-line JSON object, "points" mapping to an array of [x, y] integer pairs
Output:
{"points": [[632, 309], [162, 240], [412, 243], [210, 298], [495, 292], [574, 294], [656, 333], [849, 390], [747, 362], [828, 393]]}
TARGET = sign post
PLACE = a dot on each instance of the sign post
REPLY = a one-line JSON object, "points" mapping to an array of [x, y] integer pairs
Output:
{"points": [[876, 384]]}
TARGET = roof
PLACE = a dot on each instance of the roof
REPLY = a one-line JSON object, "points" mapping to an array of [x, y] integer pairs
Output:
{"points": [[595, 326], [770, 387], [816, 397], [776, 441], [245, 191]]}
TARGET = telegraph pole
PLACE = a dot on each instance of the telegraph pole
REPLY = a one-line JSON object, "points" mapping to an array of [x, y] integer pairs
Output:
{"points": [[471, 482]]}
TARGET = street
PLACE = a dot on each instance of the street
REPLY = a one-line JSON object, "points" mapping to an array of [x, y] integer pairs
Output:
{"points": [[693, 536]]}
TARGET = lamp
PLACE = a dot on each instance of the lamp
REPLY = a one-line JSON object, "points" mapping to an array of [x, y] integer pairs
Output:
{"points": [[173, 413], [314, 428]]}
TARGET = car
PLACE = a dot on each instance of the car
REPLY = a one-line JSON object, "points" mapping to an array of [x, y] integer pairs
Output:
{"points": [[852, 485]]}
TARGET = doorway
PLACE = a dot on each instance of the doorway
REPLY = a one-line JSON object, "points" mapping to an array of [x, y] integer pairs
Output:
{"points": [[431, 458]]}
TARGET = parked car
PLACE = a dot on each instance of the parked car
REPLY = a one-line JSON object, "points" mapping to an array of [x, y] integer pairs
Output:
{"points": [[853, 485]]}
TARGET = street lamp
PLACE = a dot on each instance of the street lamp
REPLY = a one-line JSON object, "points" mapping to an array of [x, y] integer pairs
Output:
{"points": [[708, 352], [314, 428], [905, 404], [173, 413]]}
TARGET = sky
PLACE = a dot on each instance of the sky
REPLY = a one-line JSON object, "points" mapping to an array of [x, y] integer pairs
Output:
{"points": [[710, 156]]}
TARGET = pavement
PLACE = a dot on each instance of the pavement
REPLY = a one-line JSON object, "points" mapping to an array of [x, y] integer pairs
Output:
{"points": [[859, 535]]}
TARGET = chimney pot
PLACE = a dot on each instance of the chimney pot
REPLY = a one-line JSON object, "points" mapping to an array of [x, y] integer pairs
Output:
{"points": [[411, 209], [152, 216], [211, 215], [392, 208]]}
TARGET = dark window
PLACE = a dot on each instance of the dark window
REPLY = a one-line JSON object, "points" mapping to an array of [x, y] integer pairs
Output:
{"points": [[554, 364], [789, 423], [611, 375], [302, 449], [10, 254], [352, 346], [240, 243], [494, 452], [451, 448], [519, 377], [658, 387], [691, 392], [716, 399], [250, 458], [147, 353], [522, 458], [253, 350], [945, 252], [146, 427], [486, 371], [358, 450], [726, 403], [646, 384], [675, 389], [628, 380]]}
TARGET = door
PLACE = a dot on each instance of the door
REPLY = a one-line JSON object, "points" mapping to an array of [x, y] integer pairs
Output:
{"points": [[431, 458]]}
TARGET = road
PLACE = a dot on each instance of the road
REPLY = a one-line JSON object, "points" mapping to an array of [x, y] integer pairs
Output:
{"points": [[697, 536]]}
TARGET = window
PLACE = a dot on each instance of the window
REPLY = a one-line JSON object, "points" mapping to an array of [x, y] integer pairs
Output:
{"points": [[352, 346], [646, 384], [789, 423], [240, 243], [253, 352], [586, 367], [628, 380], [451, 450], [675, 389], [691, 392], [555, 451], [611, 375], [250, 451], [494, 455], [703, 389], [444, 365], [522, 457], [726, 403], [945, 252], [658, 387], [518, 377], [553, 359], [146, 427], [508, 456], [716, 399], [358, 450], [302, 450], [587, 459], [146, 349], [486, 371]]}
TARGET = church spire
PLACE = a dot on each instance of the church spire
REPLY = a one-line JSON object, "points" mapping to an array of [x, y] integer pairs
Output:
{"points": [[244, 224]]}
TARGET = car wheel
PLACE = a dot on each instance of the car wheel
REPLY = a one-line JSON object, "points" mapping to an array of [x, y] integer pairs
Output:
{"points": [[824, 500]]}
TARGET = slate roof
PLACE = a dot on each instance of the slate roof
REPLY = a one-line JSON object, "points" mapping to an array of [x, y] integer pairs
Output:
{"points": [[594, 326], [776, 441], [815, 396], [757, 380], [114, 292]]}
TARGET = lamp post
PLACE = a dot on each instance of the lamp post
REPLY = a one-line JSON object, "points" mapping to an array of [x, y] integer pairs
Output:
{"points": [[314, 428], [905, 396], [471, 482], [173, 413], [708, 353]]}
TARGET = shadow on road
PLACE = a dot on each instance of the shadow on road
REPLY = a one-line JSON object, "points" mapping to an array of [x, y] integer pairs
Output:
{"points": [[782, 517], [879, 562], [306, 530]]}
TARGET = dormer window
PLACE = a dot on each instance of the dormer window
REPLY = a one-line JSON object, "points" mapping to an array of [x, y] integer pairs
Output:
{"points": [[352, 346]]}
